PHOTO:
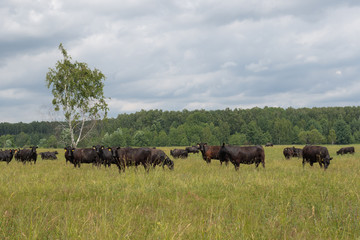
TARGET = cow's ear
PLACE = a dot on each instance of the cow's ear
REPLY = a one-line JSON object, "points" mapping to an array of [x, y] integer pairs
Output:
{"points": [[223, 144]]}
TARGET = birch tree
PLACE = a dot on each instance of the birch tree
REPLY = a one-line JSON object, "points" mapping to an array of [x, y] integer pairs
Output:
{"points": [[78, 95]]}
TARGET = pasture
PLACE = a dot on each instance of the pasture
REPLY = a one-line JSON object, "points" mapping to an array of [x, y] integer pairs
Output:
{"points": [[52, 200]]}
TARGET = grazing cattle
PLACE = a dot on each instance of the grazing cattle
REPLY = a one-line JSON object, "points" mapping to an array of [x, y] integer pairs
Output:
{"points": [[192, 149], [28, 155], [269, 145], [346, 150], [312, 154], [288, 152], [6, 155], [297, 152], [48, 155], [159, 157], [244, 155], [210, 152], [179, 153], [105, 155], [132, 157]]}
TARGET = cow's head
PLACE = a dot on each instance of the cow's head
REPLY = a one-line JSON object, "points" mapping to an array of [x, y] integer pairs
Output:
{"points": [[201, 146], [98, 149], [168, 162], [326, 161], [114, 152], [69, 151], [33, 149]]}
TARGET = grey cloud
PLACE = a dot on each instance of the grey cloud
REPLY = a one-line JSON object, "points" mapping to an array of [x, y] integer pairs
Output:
{"points": [[183, 54]]}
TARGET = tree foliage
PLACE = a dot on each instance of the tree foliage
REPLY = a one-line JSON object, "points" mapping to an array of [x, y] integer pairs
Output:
{"points": [[78, 93], [340, 125]]}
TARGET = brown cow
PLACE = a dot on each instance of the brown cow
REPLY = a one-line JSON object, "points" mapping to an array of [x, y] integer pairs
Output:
{"points": [[210, 152]]}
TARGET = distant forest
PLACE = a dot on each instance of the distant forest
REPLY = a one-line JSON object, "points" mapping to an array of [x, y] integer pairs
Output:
{"points": [[326, 125]]}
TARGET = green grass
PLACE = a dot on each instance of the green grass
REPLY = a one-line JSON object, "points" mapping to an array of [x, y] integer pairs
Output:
{"points": [[52, 200]]}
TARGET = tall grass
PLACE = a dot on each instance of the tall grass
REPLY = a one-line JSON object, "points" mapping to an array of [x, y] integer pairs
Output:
{"points": [[52, 200]]}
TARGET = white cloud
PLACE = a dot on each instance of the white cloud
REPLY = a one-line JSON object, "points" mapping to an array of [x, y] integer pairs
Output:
{"points": [[186, 54]]}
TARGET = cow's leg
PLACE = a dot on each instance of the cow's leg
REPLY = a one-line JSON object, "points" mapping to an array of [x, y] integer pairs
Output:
{"points": [[236, 166], [303, 162]]}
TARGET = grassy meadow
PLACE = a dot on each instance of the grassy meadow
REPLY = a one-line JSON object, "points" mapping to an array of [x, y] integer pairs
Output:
{"points": [[52, 200]]}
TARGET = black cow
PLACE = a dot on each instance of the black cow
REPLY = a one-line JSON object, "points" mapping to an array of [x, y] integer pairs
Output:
{"points": [[192, 149], [312, 154], [244, 155], [48, 155], [269, 145], [179, 153], [77, 156], [346, 150], [159, 157], [297, 152], [69, 154], [28, 155], [7, 155], [290, 152], [17, 154], [105, 155], [132, 157], [210, 152]]}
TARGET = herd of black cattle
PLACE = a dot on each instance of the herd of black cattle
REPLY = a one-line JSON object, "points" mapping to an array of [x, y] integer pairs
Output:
{"points": [[151, 157]]}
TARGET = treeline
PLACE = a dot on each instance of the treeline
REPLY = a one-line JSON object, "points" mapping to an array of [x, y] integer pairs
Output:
{"points": [[328, 125]]}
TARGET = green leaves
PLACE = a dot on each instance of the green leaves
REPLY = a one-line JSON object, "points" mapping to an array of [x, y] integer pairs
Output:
{"points": [[77, 90]]}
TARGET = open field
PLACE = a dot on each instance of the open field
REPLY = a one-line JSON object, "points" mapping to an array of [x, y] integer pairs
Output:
{"points": [[52, 200]]}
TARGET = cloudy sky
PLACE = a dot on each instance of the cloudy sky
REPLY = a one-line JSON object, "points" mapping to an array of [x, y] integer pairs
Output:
{"points": [[183, 54]]}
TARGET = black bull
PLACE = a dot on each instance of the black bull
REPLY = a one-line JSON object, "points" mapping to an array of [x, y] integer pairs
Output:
{"points": [[81, 155], [313, 154], [244, 155], [140, 156]]}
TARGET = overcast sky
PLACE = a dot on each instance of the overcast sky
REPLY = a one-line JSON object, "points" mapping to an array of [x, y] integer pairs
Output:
{"points": [[183, 54]]}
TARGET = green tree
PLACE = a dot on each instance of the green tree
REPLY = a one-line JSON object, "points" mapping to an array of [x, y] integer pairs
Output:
{"points": [[140, 139], [282, 131], [114, 139], [315, 137], [52, 142], [343, 132], [22, 139], [254, 133], [311, 137], [161, 139], [237, 139], [332, 136], [78, 93]]}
